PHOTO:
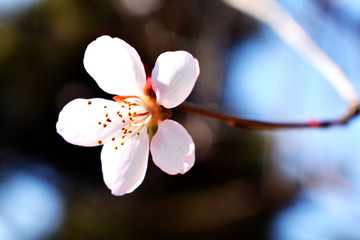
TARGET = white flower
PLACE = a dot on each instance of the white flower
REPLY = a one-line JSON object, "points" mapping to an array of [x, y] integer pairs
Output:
{"points": [[136, 121]]}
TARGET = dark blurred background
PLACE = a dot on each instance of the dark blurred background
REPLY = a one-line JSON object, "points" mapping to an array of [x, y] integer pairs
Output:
{"points": [[244, 185]]}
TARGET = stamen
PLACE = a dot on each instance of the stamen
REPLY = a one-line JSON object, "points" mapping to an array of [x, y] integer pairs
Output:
{"points": [[105, 125], [113, 139], [135, 114], [89, 102], [99, 142]]}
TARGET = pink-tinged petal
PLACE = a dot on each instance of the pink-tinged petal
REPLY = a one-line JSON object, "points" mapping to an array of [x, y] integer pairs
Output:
{"points": [[115, 66], [174, 77], [90, 122], [172, 148], [124, 166]]}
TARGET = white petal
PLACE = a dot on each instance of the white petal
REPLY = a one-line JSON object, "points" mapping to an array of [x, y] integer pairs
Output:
{"points": [[115, 66], [174, 77], [81, 121], [172, 148], [124, 168]]}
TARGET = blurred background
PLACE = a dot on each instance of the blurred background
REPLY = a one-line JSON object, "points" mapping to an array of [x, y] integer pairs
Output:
{"points": [[284, 184]]}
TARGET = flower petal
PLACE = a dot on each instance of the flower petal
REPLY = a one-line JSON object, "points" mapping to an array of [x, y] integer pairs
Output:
{"points": [[124, 166], [90, 122], [173, 77], [115, 66], [172, 148]]}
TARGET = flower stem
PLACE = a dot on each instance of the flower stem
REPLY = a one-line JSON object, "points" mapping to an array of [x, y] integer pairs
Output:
{"points": [[262, 125]]}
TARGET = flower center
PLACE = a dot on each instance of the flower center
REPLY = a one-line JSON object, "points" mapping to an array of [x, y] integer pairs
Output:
{"points": [[139, 114], [131, 116], [135, 115]]}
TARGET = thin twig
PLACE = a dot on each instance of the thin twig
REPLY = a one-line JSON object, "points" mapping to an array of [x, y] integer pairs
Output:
{"points": [[282, 23], [261, 125]]}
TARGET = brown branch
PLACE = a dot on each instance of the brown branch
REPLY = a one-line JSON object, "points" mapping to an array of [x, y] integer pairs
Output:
{"points": [[260, 125]]}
